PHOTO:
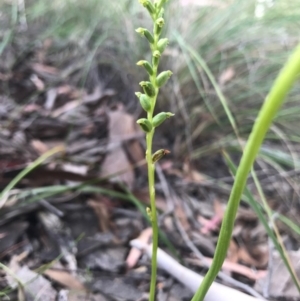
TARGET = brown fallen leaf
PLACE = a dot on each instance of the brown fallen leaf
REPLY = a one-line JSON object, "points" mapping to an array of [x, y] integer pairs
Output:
{"points": [[226, 76], [261, 258], [39, 146], [232, 253], [116, 162], [68, 90], [278, 279], [232, 267], [41, 52], [135, 153], [69, 106], [65, 278], [246, 215], [39, 84], [44, 69], [102, 213], [192, 175], [32, 108], [181, 215]]}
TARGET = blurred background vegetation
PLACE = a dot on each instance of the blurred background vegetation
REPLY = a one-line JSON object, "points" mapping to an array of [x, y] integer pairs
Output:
{"points": [[224, 56]]}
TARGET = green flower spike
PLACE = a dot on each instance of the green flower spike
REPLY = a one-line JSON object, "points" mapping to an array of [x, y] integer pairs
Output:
{"points": [[163, 77], [162, 44], [145, 33], [145, 101], [148, 88], [160, 118], [148, 101], [145, 124], [146, 65]]}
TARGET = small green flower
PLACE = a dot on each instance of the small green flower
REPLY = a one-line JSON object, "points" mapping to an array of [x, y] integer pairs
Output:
{"points": [[145, 101], [148, 88], [160, 118], [163, 77], [149, 6], [162, 44], [146, 65], [149, 213], [145, 124], [159, 23], [156, 56], [145, 33]]}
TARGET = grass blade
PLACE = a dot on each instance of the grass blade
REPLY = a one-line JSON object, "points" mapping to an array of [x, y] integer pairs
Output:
{"points": [[27, 170]]}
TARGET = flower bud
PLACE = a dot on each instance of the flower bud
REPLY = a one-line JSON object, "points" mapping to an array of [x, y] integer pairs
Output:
{"points": [[163, 77], [148, 5], [138, 94], [149, 213], [145, 33], [159, 154], [159, 23], [162, 44], [146, 65], [156, 56], [160, 118], [145, 101], [148, 88], [145, 124]]}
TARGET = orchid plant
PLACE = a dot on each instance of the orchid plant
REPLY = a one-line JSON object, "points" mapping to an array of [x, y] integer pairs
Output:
{"points": [[148, 101]]}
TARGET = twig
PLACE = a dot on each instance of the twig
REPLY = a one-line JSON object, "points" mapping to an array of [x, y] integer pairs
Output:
{"points": [[191, 279]]}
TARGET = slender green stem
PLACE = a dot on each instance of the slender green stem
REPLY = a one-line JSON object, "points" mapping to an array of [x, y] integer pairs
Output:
{"points": [[268, 111], [151, 176], [148, 101], [151, 182]]}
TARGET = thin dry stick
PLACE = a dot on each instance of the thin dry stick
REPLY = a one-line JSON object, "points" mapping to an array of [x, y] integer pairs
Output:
{"points": [[191, 279]]}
